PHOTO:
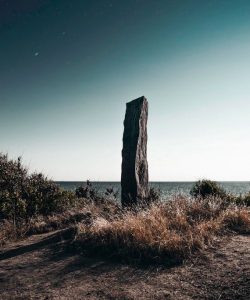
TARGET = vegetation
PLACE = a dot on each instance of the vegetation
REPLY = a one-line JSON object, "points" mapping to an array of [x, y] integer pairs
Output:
{"points": [[87, 191], [243, 200], [206, 188], [164, 232], [32, 203], [156, 231], [23, 196]]}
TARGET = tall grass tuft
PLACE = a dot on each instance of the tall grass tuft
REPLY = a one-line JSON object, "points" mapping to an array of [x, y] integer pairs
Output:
{"points": [[164, 232]]}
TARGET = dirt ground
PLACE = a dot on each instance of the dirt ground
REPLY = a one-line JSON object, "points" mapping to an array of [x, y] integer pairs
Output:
{"points": [[40, 268]]}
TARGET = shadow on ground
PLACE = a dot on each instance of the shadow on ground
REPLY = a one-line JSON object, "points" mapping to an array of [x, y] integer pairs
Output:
{"points": [[45, 267]]}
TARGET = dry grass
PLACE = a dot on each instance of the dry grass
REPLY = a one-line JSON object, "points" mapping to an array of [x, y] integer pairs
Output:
{"points": [[237, 219], [85, 213], [7, 232], [165, 232]]}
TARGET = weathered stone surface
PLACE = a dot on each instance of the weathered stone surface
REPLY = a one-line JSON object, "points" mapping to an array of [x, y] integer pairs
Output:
{"points": [[134, 178]]}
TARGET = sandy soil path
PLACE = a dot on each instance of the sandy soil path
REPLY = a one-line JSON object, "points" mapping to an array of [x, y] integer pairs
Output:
{"points": [[40, 268]]}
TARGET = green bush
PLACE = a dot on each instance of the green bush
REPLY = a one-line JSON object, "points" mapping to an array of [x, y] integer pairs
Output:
{"points": [[13, 178], [246, 199], [87, 191], [44, 196], [243, 200], [206, 188], [23, 196]]}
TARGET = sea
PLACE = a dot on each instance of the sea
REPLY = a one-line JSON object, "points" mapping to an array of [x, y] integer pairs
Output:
{"points": [[167, 189]]}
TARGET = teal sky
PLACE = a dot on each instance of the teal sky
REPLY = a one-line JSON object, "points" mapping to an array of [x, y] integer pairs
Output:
{"points": [[67, 69]]}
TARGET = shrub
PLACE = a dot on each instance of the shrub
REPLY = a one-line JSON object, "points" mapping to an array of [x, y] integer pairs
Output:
{"points": [[87, 191], [13, 178], [243, 200], [206, 188], [111, 193], [23, 196], [43, 196]]}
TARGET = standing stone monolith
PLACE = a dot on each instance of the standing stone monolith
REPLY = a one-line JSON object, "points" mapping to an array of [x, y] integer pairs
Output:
{"points": [[134, 178]]}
